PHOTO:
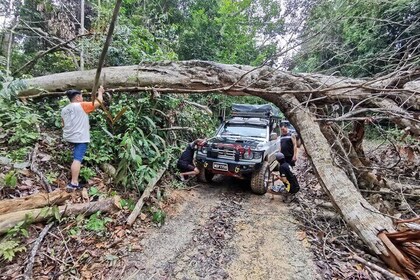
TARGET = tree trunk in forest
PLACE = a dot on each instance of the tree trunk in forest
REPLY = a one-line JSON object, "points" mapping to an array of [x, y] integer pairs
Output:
{"points": [[356, 138], [348, 154], [294, 94], [38, 200], [365, 220], [10, 220]]}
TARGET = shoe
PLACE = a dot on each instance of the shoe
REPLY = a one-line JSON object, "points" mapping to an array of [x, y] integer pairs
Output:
{"points": [[70, 187], [180, 178], [288, 198]]}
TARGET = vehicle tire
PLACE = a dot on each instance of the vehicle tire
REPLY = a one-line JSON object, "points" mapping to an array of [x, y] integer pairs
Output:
{"points": [[205, 176], [260, 178]]}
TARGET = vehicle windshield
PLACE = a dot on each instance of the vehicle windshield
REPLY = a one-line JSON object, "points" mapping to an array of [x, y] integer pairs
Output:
{"points": [[244, 131]]}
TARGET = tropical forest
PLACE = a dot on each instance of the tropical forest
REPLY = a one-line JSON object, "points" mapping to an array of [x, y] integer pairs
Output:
{"points": [[210, 139]]}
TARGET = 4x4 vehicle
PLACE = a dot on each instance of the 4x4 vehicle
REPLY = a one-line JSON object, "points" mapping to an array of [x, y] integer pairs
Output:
{"points": [[244, 146]]}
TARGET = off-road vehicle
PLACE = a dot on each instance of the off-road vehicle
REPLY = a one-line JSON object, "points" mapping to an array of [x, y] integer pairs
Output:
{"points": [[244, 146]]}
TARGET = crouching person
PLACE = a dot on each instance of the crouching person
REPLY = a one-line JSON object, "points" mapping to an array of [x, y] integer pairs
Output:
{"points": [[291, 185], [185, 163]]}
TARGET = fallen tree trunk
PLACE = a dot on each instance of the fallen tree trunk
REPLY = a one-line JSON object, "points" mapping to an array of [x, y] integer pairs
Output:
{"points": [[210, 77], [38, 200], [8, 221], [365, 219]]}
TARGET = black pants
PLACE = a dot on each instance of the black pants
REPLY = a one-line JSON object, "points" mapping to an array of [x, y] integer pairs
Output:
{"points": [[289, 160]]}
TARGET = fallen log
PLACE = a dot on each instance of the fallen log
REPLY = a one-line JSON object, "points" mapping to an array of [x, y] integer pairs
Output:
{"points": [[38, 200], [10, 220], [146, 193], [31, 259], [210, 77], [385, 272], [342, 192]]}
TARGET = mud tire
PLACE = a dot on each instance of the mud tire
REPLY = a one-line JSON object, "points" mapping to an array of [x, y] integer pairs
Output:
{"points": [[205, 176], [259, 184]]}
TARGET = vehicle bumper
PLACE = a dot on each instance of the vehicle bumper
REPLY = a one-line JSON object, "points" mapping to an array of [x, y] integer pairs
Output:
{"points": [[234, 168]]}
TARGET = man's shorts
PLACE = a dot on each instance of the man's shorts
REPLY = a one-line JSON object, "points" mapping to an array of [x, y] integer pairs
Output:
{"points": [[185, 166], [79, 151]]}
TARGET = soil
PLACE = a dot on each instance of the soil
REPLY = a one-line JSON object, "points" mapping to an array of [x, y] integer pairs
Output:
{"points": [[223, 231]]}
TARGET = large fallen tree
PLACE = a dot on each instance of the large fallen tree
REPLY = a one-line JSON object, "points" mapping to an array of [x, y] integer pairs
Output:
{"points": [[299, 96]]}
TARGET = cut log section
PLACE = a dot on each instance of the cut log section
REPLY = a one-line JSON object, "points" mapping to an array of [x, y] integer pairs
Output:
{"points": [[38, 200], [10, 220]]}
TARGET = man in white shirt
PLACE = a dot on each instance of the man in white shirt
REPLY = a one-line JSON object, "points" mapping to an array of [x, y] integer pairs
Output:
{"points": [[76, 129]]}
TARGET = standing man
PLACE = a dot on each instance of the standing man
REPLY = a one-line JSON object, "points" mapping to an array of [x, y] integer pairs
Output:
{"points": [[288, 178], [76, 129], [288, 144], [185, 163]]}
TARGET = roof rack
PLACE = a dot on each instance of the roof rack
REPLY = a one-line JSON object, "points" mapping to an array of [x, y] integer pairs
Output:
{"points": [[254, 111], [252, 115]]}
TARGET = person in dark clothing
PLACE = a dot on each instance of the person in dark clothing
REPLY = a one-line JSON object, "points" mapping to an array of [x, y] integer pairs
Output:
{"points": [[291, 184], [185, 163], [288, 144]]}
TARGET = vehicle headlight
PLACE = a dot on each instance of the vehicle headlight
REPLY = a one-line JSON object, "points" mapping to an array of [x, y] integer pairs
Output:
{"points": [[257, 155], [248, 155], [203, 149]]}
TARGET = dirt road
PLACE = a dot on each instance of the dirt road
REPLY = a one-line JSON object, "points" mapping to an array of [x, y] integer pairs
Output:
{"points": [[224, 231]]}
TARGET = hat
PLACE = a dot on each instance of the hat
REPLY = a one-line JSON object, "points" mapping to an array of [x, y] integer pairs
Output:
{"points": [[72, 93], [283, 123], [279, 156]]}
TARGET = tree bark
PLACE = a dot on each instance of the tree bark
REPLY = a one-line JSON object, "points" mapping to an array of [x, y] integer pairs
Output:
{"points": [[38, 200], [210, 77], [10, 220], [356, 211]]}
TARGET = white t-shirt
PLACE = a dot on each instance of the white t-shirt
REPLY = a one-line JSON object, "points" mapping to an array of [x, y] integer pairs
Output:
{"points": [[76, 122]]}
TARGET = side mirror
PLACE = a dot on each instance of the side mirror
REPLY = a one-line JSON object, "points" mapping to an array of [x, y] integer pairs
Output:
{"points": [[273, 136]]}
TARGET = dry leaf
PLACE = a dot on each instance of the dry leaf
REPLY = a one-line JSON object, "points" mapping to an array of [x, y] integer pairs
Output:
{"points": [[143, 216], [301, 235]]}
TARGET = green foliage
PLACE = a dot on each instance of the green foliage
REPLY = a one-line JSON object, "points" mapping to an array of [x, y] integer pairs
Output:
{"points": [[128, 204], [225, 31], [51, 176], [159, 216], [10, 179], [19, 123], [20, 229], [96, 223], [87, 173], [9, 248], [360, 38], [74, 231], [94, 192]]}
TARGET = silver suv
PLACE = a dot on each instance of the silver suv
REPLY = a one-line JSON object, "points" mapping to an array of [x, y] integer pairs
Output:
{"points": [[244, 146]]}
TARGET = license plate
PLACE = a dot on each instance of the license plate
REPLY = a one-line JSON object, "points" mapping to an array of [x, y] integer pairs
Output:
{"points": [[220, 166]]}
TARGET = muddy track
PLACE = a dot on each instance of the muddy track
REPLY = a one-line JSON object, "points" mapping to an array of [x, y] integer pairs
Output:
{"points": [[224, 232]]}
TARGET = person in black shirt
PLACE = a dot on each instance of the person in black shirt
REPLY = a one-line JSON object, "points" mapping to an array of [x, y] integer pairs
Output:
{"points": [[185, 163], [288, 144], [291, 184]]}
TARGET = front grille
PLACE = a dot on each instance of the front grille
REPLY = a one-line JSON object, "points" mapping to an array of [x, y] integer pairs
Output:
{"points": [[222, 153]]}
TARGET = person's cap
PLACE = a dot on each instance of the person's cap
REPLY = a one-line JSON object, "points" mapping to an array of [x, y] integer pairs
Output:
{"points": [[283, 124], [72, 93], [279, 156]]}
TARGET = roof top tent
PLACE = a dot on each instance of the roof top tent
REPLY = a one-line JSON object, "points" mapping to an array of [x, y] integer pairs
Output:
{"points": [[254, 111], [265, 111]]}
